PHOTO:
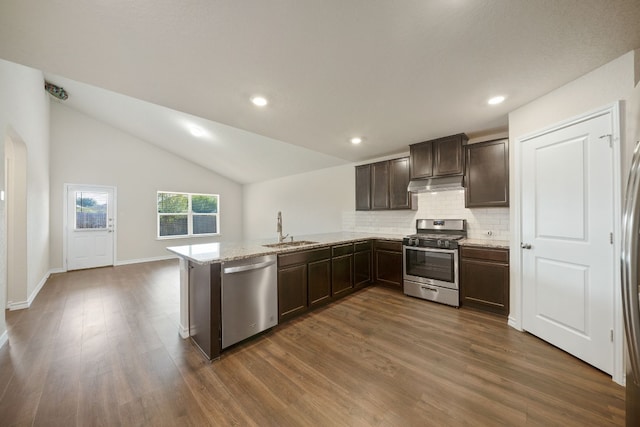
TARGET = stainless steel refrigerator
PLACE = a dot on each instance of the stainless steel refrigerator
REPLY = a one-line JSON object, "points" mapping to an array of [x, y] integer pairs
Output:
{"points": [[630, 262]]}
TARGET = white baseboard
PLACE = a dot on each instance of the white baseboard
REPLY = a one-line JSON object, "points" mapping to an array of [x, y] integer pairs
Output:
{"points": [[184, 332], [4, 338], [512, 322], [20, 305], [140, 260]]}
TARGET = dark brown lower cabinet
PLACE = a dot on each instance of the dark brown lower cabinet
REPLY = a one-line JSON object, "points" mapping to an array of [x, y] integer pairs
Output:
{"points": [[319, 282], [303, 281], [204, 307], [292, 291], [362, 264], [388, 262], [341, 269], [311, 278], [484, 279]]}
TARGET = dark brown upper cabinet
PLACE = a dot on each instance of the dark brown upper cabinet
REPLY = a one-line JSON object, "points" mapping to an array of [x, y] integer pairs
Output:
{"points": [[438, 157], [487, 174], [383, 186], [421, 160], [380, 185], [363, 188], [399, 197]]}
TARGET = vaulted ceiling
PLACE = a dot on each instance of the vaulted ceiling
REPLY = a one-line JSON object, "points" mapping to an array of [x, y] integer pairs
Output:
{"points": [[393, 72]]}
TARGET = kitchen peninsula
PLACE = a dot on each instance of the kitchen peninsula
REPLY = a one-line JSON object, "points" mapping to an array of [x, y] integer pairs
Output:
{"points": [[311, 271]]}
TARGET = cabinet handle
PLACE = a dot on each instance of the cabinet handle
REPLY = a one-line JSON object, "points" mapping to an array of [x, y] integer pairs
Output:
{"points": [[231, 270]]}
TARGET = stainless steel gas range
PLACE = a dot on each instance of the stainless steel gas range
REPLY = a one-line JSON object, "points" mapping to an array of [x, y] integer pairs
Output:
{"points": [[430, 260]]}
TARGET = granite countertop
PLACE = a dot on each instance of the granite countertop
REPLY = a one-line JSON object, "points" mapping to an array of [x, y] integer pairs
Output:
{"points": [[485, 243], [208, 253]]}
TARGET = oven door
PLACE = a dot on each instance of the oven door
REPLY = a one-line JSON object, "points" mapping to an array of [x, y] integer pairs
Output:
{"points": [[438, 267]]}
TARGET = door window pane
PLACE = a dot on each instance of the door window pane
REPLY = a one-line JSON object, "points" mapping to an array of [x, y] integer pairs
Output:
{"points": [[91, 210]]}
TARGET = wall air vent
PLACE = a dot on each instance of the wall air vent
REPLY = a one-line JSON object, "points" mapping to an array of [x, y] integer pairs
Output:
{"points": [[56, 91]]}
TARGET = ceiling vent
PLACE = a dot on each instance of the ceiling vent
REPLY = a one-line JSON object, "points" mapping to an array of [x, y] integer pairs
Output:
{"points": [[56, 91]]}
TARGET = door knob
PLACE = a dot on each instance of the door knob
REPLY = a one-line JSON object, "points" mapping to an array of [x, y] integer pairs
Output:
{"points": [[525, 245]]}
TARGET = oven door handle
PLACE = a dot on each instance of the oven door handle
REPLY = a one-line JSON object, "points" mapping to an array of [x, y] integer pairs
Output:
{"points": [[427, 288], [425, 249]]}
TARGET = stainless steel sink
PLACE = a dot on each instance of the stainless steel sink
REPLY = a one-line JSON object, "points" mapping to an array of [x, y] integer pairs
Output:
{"points": [[289, 244]]}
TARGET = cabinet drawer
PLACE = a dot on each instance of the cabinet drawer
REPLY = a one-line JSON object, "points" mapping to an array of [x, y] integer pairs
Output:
{"points": [[303, 257], [389, 245], [362, 246], [342, 250], [488, 254]]}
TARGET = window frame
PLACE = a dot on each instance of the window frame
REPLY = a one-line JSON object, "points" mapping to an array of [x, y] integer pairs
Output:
{"points": [[189, 214]]}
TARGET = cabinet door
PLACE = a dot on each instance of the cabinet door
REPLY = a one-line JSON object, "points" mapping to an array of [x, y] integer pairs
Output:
{"points": [[363, 187], [342, 274], [362, 268], [421, 160], [389, 267], [292, 291], [487, 174], [319, 282], [448, 156], [380, 185], [485, 285], [399, 197]]}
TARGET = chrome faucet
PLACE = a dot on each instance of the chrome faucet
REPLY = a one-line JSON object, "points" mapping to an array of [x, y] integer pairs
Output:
{"points": [[279, 229]]}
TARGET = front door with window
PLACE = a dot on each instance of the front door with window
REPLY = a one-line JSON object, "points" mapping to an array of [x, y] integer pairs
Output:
{"points": [[90, 226]]}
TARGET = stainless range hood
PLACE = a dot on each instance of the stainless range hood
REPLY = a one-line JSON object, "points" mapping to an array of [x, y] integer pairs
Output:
{"points": [[427, 185]]}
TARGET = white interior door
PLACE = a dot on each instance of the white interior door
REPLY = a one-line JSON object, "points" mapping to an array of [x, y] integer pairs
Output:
{"points": [[90, 226], [568, 221]]}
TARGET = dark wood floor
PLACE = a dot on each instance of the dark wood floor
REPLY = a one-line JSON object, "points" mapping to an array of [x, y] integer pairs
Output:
{"points": [[101, 347]]}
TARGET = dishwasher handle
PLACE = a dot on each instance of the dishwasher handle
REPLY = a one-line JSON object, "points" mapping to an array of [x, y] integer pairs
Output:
{"points": [[231, 270]]}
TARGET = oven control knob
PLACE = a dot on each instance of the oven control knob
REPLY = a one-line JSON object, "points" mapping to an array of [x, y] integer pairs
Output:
{"points": [[439, 243], [446, 243]]}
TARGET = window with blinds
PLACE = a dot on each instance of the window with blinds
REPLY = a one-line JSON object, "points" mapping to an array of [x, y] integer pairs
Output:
{"points": [[187, 214]]}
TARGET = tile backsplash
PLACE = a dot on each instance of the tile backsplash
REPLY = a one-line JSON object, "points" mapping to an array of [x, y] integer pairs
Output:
{"points": [[482, 223]]}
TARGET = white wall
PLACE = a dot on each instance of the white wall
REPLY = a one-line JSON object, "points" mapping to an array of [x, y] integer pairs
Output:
{"points": [[16, 210], [324, 201], [24, 116], [310, 203], [87, 151], [612, 82]]}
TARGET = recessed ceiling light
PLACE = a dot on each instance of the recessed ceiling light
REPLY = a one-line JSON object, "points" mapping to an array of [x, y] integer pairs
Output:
{"points": [[259, 101], [356, 140], [196, 131], [495, 100]]}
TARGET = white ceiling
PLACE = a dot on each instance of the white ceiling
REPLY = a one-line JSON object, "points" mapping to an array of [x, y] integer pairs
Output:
{"points": [[395, 72]]}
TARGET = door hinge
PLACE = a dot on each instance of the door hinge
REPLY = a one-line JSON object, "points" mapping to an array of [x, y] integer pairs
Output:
{"points": [[611, 335], [610, 139], [611, 238]]}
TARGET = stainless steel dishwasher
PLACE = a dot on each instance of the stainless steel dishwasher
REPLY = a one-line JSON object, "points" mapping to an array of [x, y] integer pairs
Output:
{"points": [[249, 297]]}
